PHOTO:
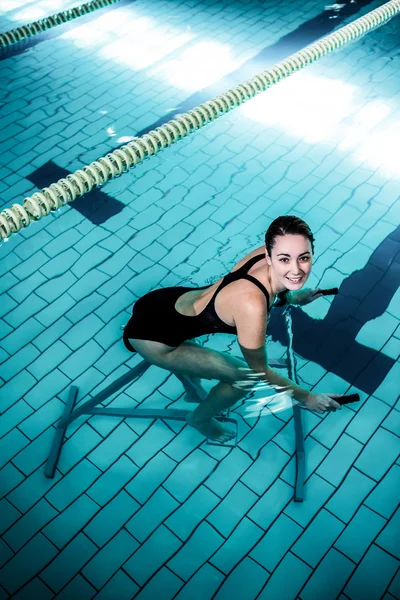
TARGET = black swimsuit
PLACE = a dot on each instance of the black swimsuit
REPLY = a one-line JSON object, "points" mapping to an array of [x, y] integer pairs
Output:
{"points": [[155, 318]]}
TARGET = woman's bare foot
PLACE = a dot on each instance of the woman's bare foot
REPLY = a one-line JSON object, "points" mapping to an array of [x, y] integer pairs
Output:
{"points": [[211, 429]]}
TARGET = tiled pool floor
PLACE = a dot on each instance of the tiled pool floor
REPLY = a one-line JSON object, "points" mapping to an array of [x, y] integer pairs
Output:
{"points": [[146, 509]]}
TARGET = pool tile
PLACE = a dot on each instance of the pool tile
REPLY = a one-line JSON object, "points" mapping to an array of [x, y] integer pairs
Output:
{"points": [[34, 589], [150, 477], [77, 481], [18, 362], [151, 515], [188, 438], [232, 509], [196, 551], [8, 515], [5, 554], [315, 453], [329, 578], [360, 533], [153, 214], [203, 585], [266, 468], [147, 279], [339, 460], [271, 503], [163, 585], [318, 538], [45, 416], [260, 434], [350, 495], [237, 545], [183, 521], [394, 587], [60, 264], [389, 538], [177, 256], [11, 444], [29, 525], [77, 447], [152, 554], [31, 245], [388, 391], [368, 581], [29, 561], [112, 447], [111, 518], [68, 562], [25, 333], [379, 454], [375, 333], [281, 585], [155, 438], [7, 304], [120, 586], [367, 419], [189, 474], [332, 426], [70, 521], [13, 416], [46, 389], [64, 241], [228, 471], [175, 235], [110, 559], [244, 582], [276, 542], [76, 311], [49, 360], [82, 332], [50, 293], [316, 493], [392, 422]]}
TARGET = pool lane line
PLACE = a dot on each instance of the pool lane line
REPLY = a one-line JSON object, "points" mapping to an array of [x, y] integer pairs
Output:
{"points": [[112, 165], [13, 36]]}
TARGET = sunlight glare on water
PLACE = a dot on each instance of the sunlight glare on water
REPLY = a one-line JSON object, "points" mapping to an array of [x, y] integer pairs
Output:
{"points": [[331, 110], [140, 41], [198, 66]]}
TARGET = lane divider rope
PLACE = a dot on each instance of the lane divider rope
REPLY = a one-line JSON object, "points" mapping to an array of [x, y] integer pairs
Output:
{"points": [[13, 36], [112, 165]]}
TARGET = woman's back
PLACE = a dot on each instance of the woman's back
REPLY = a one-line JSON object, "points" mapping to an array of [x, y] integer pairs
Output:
{"points": [[194, 302]]}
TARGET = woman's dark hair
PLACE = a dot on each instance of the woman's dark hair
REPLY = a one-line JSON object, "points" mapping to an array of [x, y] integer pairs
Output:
{"points": [[287, 225]]}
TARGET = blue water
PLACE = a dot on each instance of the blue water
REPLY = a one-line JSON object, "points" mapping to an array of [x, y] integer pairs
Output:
{"points": [[145, 508]]}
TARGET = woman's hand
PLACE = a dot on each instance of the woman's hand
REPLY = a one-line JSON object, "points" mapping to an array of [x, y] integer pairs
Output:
{"points": [[322, 403], [305, 296]]}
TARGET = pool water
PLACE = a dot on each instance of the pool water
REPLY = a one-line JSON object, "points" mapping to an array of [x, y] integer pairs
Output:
{"points": [[145, 508]]}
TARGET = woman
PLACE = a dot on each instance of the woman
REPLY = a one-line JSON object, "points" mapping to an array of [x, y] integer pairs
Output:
{"points": [[164, 321]]}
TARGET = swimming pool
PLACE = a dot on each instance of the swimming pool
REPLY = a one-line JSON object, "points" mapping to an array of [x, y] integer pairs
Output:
{"points": [[145, 508]]}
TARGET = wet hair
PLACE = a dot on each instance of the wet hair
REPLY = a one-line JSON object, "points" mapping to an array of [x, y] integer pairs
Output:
{"points": [[287, 225]]}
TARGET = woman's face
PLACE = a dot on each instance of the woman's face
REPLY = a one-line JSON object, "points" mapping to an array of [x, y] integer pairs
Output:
{"points": [[291, 259]]}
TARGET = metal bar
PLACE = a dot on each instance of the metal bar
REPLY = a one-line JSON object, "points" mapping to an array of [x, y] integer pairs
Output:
{"points": [[300, 455], [59, 434], [141, 413], [104, 394], [298, 425]]}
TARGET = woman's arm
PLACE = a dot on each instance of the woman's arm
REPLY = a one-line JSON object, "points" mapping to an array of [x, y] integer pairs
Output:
{"points": [[251, 323]]}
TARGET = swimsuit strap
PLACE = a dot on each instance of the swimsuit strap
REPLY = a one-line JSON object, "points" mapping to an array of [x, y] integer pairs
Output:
{"points": [[248, 264], [241, 273], [259, 285]]}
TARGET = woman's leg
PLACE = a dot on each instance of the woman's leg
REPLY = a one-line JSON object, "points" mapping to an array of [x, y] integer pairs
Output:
{"points": [[193, 360]]}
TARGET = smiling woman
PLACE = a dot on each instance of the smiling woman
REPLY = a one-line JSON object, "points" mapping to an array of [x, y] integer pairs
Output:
{"points": [[164, 322]]}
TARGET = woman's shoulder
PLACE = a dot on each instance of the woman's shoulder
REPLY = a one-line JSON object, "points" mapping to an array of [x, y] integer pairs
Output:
{"points": [[260, 250]]}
